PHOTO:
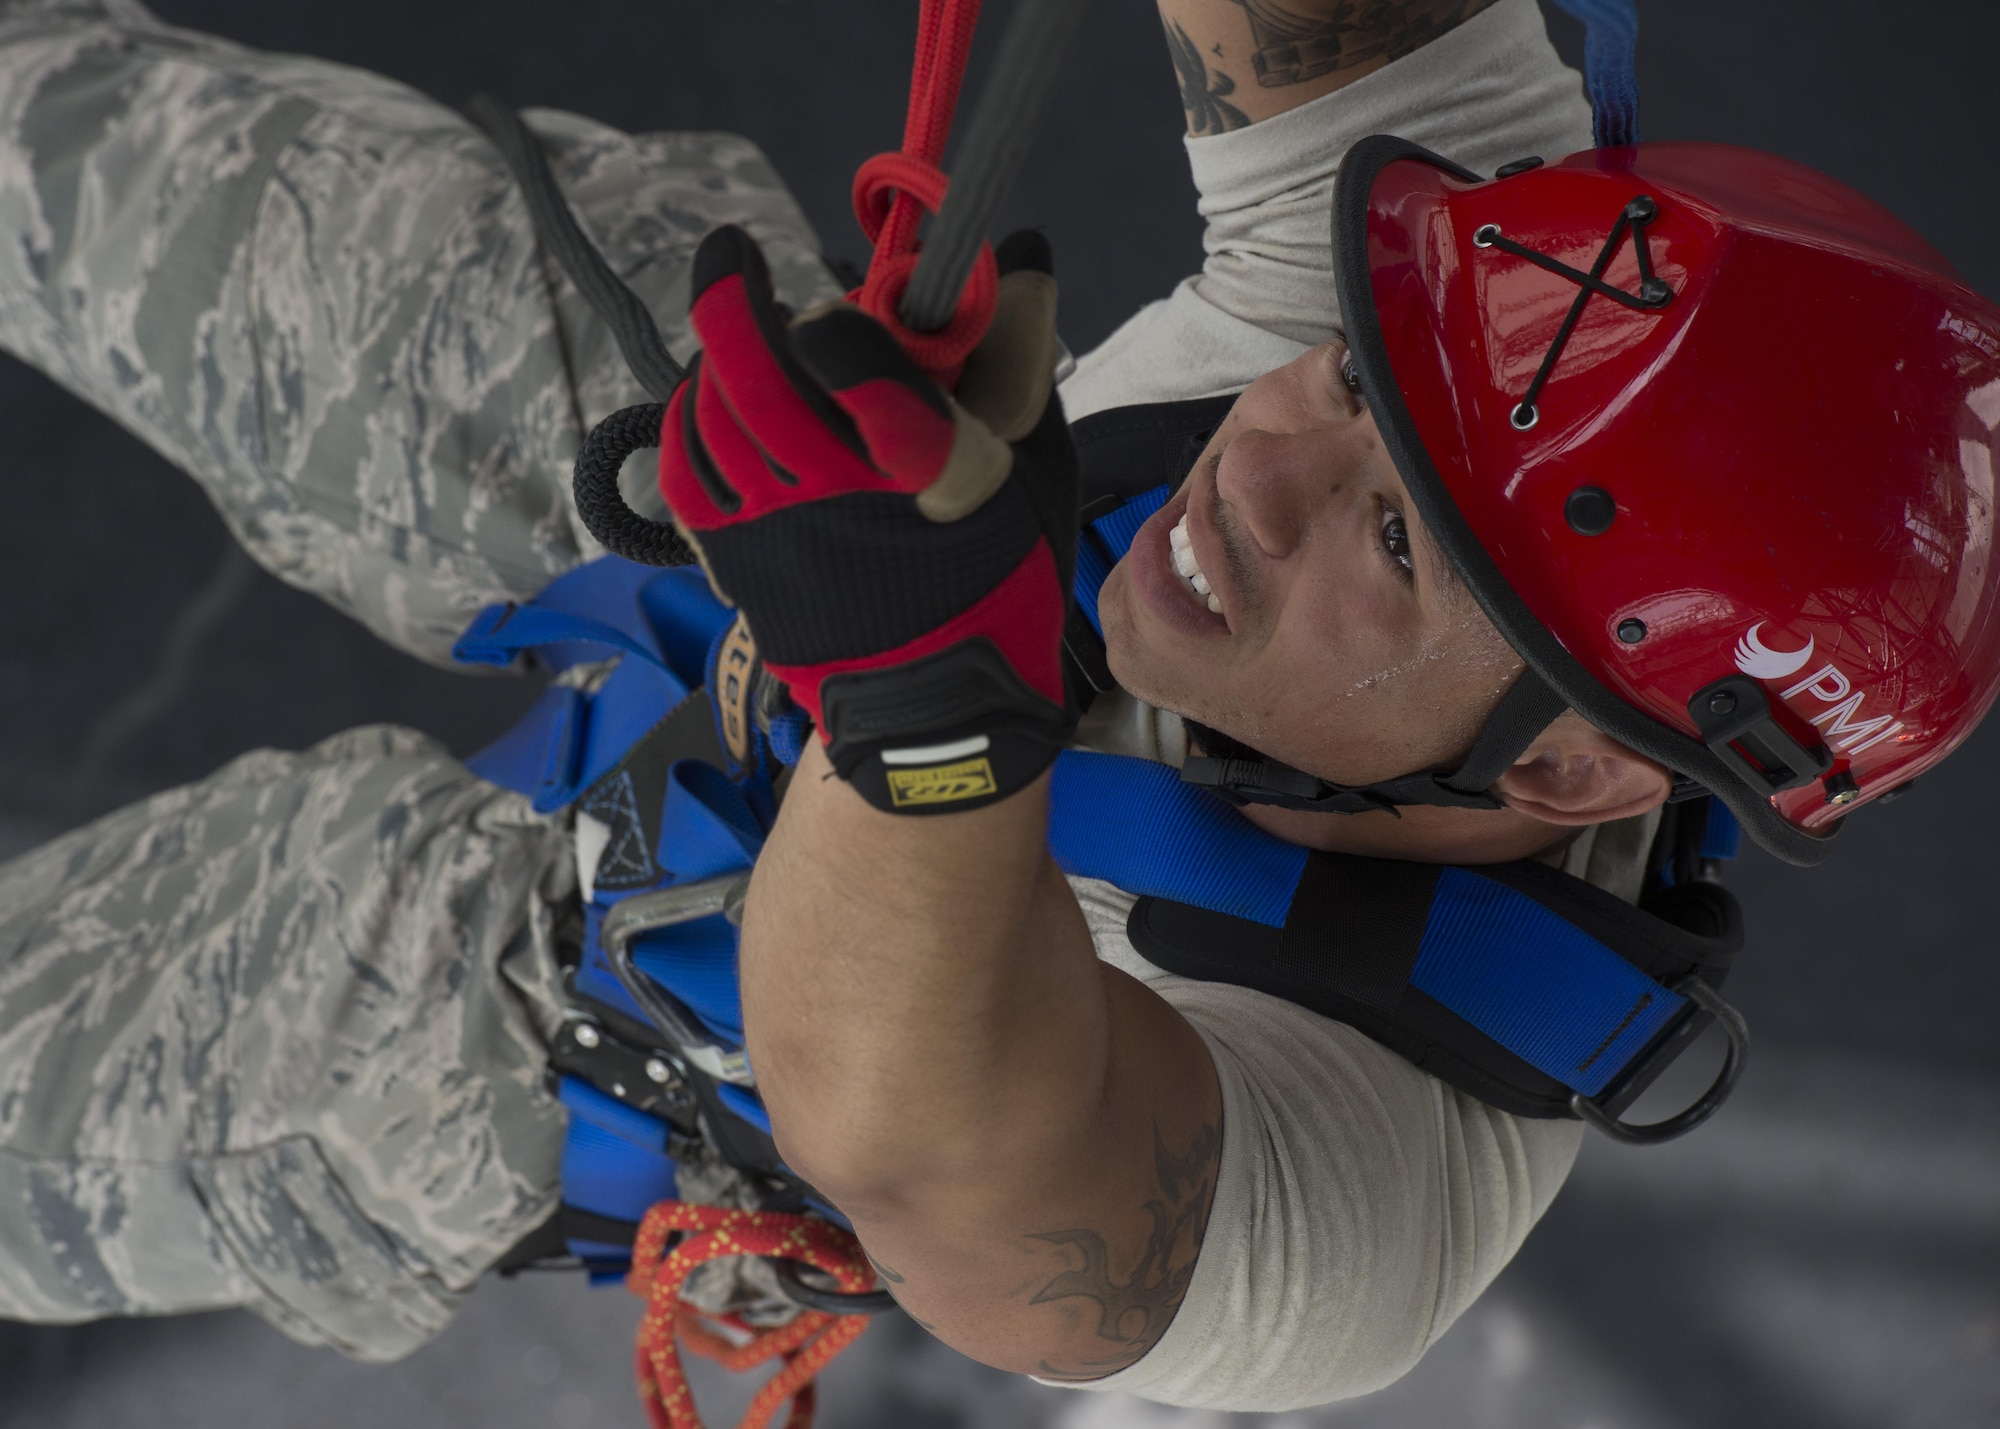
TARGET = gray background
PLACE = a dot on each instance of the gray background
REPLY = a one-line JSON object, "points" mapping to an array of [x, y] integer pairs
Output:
{"points": [[1826, 1254]]}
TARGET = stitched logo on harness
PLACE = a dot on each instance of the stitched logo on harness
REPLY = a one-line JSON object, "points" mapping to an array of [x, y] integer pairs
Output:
{"points": [[946, 784], [626, 862]]}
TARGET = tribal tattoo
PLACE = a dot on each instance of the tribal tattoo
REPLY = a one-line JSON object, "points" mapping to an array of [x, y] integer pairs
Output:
{"points": [[1295, 42], [1301, 41], [1204, 101], [1133, 1312]]}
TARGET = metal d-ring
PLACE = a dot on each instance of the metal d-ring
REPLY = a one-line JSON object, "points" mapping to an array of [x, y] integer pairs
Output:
{"points": [[830, 1302], [666, 908], [1738, 1031]]}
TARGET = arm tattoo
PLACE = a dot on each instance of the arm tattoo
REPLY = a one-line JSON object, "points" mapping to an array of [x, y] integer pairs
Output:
{"points": [[892, 1279], [885, 1272], [1293, 47], [1206, 111], [1134, 1312]]}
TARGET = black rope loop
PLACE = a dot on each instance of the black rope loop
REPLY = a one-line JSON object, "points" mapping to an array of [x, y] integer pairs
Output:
{"points": [[827, 1302], [621, 530], [557, 230]]}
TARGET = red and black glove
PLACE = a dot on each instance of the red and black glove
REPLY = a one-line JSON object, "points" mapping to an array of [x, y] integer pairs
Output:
{"points": [[903, 564]]}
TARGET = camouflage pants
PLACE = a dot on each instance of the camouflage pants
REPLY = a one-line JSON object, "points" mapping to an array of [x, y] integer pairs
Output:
{"points": [[276, 1040]]}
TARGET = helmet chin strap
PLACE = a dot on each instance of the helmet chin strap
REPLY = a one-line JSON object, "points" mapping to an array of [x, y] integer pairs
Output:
{"points": [[1243, 776]]}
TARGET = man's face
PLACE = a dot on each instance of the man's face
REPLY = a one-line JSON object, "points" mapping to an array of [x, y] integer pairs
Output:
{"points": [[1344, 644]]}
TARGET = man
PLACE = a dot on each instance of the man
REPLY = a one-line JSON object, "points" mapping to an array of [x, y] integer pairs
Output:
{"points": [[1190, 1190]]}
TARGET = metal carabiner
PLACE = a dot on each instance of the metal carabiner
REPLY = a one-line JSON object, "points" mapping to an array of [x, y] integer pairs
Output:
{"points": [[666, 908]]}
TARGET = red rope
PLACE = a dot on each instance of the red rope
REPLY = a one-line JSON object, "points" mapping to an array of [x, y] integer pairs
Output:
{"points": [[893, 192], [806, 1346]]}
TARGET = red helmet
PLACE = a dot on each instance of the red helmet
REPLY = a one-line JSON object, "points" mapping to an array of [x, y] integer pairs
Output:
{"points": [[1711, 437]]}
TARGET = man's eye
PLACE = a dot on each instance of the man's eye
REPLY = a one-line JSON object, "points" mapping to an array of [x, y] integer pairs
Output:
{"points": [[1350, 375], [1396, 543]]}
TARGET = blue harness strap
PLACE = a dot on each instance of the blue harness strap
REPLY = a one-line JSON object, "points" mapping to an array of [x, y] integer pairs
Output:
{"points": [[664, 628], [1102, 542], [1610, 69], [1133, 823], [608, 609]]}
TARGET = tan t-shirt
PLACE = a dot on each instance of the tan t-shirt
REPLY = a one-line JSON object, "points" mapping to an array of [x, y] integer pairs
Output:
{"points": [[1360, 1204]]}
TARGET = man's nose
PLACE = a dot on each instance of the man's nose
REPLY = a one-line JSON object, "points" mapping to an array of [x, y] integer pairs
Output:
{"points": [[1287, 462], [1270, 482]]}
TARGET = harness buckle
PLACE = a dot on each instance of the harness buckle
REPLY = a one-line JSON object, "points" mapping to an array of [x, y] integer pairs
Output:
{"points": [[684, 1035], [1605, 1110]]}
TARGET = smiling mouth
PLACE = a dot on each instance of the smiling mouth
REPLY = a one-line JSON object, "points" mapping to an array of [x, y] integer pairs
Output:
{"points": [[1188, 567]]}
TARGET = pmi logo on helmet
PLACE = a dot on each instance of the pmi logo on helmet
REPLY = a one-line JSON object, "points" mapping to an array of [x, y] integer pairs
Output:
{"points": [[1759, 661], [1842, 723]]}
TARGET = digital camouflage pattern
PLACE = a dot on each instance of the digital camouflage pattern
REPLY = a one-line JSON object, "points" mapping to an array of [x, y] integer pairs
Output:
{"points": [[319, 293], [258, 1046], [276, 1039]]}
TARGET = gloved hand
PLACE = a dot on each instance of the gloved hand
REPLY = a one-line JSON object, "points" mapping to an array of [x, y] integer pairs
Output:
{"points": [[903, 564]]}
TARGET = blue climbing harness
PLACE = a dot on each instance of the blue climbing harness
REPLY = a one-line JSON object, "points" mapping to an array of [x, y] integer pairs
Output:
{"points": [[1519, 984]]}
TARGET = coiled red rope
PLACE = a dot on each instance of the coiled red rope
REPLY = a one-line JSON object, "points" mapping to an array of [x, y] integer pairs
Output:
{"points": [[805, 1346], [893, 192]]}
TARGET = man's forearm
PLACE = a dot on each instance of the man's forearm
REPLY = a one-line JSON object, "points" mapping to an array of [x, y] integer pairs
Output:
{"points": [[898, 967], [1024, 1138], [1240, 61]]}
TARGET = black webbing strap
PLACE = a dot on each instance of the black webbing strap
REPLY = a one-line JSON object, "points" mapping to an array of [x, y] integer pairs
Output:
{"points": [[1527, 709], [563, 237], [1243, 776]]}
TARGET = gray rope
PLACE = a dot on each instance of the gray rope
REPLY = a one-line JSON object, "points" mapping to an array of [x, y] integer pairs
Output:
{"points": [[631, 324], [996, 144]]}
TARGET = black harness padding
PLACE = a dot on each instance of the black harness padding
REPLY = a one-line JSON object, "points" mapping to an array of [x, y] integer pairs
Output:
{"points": [[1213, 947], [1127, 451], [1355, 925], [1351, 940]]}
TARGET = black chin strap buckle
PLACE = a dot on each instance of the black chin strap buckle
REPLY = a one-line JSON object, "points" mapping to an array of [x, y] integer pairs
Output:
{"points": [[1248, 778]]}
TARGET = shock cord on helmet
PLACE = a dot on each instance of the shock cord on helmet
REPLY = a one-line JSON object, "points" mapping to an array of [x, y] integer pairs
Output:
{"points": [[1653, 293]]}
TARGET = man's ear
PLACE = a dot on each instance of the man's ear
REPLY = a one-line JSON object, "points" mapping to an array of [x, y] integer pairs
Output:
{"points": [[1576, 775]]}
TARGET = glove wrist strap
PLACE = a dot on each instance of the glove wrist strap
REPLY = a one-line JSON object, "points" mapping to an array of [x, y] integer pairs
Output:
{"points": [[950, 732]]}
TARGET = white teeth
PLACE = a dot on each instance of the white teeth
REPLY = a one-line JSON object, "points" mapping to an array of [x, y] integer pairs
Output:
{"points": [[1184, 562]]}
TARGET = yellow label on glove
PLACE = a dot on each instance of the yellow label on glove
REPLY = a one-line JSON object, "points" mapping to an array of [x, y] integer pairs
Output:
{"points": [[945, 784]]}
